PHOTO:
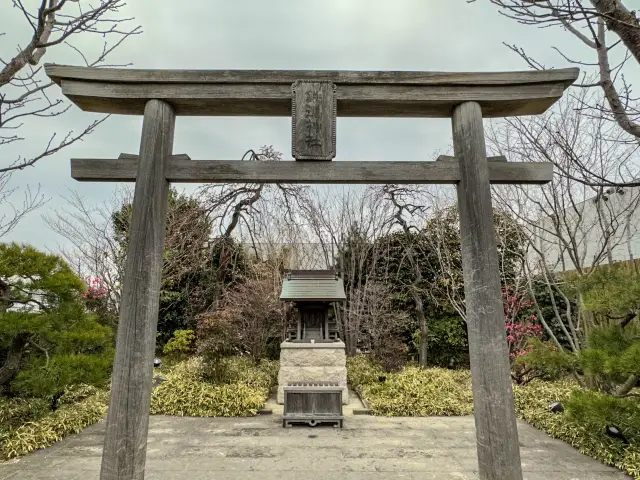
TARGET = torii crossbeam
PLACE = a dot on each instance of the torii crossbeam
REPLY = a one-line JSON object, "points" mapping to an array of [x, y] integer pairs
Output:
{"points": [[313, 99]]}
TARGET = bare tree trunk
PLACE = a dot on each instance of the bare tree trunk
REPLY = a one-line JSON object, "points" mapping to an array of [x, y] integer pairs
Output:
{"points": [[415, 292], [627, 386], [627, 319], [623, 22], [11, 365], [351, 343], [424, 331]]}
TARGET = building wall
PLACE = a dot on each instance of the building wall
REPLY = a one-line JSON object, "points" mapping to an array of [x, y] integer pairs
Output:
{"points": [[587, 227], [296, 256]]}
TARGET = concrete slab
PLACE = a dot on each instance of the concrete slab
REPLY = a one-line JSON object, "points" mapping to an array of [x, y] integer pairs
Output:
{"points": [[372, 448]]}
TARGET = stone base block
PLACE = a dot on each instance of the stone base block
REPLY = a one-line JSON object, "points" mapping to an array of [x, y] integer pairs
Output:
{"points": [[307, 362], [305, 357]]}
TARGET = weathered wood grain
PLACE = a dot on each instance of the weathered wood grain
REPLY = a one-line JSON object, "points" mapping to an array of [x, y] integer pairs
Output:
{"points": [[267, 92], [133, 156], [450, 158], [264, 99], [126, 75], [125, 442], [313, 120], [495, 416], [310, 172]]}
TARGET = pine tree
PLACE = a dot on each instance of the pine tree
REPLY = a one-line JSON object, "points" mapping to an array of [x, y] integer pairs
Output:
{"points": [[48, 339]]}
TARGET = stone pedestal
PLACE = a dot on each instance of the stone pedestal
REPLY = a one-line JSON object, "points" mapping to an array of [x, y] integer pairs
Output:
{"points": [[313, 362]]}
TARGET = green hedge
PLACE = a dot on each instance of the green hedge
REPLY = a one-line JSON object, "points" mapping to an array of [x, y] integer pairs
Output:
{"points": [[416, 392], [412, 392], [17, 411], [189, 390], [361, 371], [583, 424], [28, 425]]}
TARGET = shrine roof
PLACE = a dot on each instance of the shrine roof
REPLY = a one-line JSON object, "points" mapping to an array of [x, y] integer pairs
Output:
{"points": [[312, 286]]}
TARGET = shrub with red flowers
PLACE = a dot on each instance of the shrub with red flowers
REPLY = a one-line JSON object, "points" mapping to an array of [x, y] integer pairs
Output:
{"points": [[521, 329], [518, 336], [96, 300], [96, 289], [519, 322]]}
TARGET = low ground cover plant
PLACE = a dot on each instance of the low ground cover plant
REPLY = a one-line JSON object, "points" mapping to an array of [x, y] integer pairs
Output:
{"points": [[582, 424]]}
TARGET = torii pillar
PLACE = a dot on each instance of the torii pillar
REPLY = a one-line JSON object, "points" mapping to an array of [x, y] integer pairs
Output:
{"points": [[313, 99]]}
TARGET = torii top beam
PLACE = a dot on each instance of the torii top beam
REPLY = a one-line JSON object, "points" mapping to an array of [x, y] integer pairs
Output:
{"points": [[268, 92], [313, 98]]}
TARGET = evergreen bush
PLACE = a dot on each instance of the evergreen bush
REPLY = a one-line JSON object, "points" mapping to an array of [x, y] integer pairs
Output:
{"points": [[28, 425], [190, 390], [418, 392]]}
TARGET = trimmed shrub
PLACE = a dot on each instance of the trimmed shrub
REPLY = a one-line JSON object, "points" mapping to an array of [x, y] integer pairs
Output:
{"points": [[17, 411], [188, 390], [242, 370], [79, 393], [583, 424], [186, 397], [361, 371], [180, 346], [36, 433], [415, 392]]}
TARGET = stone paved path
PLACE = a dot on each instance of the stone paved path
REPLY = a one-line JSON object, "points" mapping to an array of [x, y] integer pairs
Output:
{"points": [[371, 448]]}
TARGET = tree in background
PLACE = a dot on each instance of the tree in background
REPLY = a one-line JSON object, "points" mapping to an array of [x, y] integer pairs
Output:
{"points": [[93, 249], [570, 228], [417, 262], [250, 211], [192, 267], [351, 221], [381, 324], [48, 340], [354, 260], [409, 267], [25, 95], [96, 300], [611, 32], [443, 236], [611, 358], [250, 320]]}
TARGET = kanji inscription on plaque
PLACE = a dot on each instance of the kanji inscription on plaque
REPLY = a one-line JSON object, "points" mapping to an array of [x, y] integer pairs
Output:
{"points": [[313, 111]]}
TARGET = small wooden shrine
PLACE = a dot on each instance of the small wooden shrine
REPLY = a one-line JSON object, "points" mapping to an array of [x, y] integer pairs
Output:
{"points": [[312, 382], [313, 292]]}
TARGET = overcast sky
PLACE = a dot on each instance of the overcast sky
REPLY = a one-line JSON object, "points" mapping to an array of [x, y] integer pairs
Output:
{"points": [[429, 35]]}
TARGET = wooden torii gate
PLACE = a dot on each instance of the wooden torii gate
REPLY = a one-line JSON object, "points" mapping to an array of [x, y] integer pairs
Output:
{"points": [[313, 99]]}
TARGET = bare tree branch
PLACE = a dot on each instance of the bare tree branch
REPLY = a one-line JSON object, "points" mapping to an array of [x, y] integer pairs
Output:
{"points": [[588, 20], [24, 86]]}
